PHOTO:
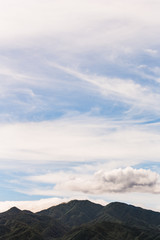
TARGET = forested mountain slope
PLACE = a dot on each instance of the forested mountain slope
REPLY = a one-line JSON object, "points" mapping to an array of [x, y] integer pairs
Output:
{"points": [[81, 220]]}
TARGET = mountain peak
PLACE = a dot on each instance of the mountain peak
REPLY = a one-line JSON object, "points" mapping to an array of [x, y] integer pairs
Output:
{"points": [[82, 219], [14, 210], [82, 211], [80, 202]]}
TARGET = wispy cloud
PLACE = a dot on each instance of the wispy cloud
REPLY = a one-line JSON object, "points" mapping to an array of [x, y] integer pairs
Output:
{"points": [[80, 138], [93, 24], [151, 52], [125, 90], [79, 83]]}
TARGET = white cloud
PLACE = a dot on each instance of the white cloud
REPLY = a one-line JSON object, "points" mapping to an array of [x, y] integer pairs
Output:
{"points": [[38, 205], [85, 25], [80, 138], [124, 90], [14, 78], [65, 32], [128, 185], [102, 182], [108, 28], [42, 204], [151, 52]]}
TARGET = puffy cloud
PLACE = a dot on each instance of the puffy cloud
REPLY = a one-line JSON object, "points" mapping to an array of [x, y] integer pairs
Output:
{"points": [[102, 182], [128, 180]]}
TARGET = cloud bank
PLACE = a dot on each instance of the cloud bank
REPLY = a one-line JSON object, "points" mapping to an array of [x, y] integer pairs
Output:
{"points": [[92, 24], [102, 182], [120, 181], [80, 138], [41, 204]]}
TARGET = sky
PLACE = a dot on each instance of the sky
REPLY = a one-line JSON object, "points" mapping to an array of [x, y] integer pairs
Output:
{"points": [[79, 102]]}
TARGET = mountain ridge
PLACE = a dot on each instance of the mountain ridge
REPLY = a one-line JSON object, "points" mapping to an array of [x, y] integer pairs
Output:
{"points": [[80, 220]]}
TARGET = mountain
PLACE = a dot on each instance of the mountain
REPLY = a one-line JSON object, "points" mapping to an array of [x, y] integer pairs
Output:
{"points": [[129, 215], [111, 231], [18, 225], [81, 220], [74, 213]]}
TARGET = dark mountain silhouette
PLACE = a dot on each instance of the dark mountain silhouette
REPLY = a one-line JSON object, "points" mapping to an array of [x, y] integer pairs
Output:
{"points": [[17, 224], [81, 220], [111, 231], [74, 213], [129, 215]]}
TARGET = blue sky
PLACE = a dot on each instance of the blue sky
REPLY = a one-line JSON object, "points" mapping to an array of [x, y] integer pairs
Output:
{"points": [[79, 102]]}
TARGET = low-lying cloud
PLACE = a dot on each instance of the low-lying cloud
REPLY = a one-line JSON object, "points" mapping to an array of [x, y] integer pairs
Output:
{"points": [[38, 205], [115, 181], [127, 180]]}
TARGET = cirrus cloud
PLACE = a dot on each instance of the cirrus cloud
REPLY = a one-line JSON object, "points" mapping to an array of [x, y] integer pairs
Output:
{"points": [[79, 138]]}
